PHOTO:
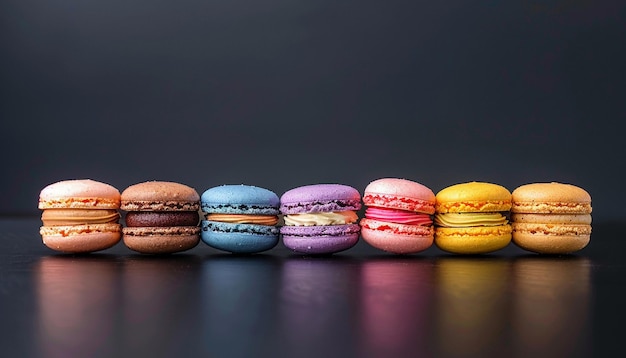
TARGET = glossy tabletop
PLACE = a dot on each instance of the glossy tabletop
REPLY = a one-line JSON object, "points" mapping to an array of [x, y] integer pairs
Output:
{"points": [[358, 303]]}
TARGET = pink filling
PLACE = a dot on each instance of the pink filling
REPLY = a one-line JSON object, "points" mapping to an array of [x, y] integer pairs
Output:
{"points": [[397, 216]]}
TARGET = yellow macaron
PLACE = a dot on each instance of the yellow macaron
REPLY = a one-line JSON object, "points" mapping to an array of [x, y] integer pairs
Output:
{"points": [[551, 218], [471, 218]]}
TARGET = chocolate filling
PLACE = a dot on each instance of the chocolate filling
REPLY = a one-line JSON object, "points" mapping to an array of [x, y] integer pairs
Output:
{"points": [[162, 218]]}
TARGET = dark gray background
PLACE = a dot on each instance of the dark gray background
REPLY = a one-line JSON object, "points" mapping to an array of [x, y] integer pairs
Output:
{"points": [[291, 92]]}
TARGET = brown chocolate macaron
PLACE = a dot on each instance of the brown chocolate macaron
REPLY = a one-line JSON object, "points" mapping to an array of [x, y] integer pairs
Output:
{"points": [[162, 217]]}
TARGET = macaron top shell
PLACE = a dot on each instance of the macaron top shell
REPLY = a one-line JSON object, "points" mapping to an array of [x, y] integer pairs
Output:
{"points": [[79, 194], [240, 199], [473, 197], [400, 194], [551, 198], [160, 196], [320, 198]]}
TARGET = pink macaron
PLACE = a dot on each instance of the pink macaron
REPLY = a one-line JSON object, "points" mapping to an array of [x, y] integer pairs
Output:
{"points": [[398, 218]]}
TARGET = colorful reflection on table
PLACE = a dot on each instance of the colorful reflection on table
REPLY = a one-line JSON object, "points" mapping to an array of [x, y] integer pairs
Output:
{"points": [[240, 299], [77, 298], [396, 304], [315, 293], [551, 305], [160, 296], [473, 305], [258, 305]]}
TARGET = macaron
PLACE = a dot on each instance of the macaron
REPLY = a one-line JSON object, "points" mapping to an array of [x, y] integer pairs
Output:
{"points": [[472, 218], [162, 217], [240, 218], [398, 218], [80, 216], [320, 218], [551, 218]]}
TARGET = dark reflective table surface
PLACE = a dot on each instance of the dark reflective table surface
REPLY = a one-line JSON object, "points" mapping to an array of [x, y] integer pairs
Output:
{"points": [[359, 303]]}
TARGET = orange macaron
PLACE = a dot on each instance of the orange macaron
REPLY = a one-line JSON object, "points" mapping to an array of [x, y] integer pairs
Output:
{"points": [[80, 216], [551, 218]]}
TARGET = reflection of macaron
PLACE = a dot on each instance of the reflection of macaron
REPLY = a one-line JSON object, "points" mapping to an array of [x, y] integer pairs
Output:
{"points": [[80, 216], [398, 217], [549, 306], [77, 301], [473, 306], [162, 217], [396, 305], [240, 218], [472, 218], [551, 218], [321, 218]]}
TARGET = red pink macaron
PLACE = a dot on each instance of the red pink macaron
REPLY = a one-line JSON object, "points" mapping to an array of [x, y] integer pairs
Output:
{"points": [[398, 218]]}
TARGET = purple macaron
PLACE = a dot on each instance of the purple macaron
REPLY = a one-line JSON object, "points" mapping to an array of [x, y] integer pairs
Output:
{"points": [[321, 218]]}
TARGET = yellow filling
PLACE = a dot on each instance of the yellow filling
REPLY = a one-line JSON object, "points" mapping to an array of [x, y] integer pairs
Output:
{"points": [[470, 219]]}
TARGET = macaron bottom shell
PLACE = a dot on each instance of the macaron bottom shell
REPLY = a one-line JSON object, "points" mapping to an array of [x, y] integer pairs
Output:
{"points": [[239, 243], [396, 238], [477, 240], [81, 243], [320, 240], [161, 240], [239, 238], [396, 243], [320, 245], [550, 244]]}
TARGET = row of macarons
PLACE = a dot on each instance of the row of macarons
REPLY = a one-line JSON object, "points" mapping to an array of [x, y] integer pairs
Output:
{"points": [[401, 217]]}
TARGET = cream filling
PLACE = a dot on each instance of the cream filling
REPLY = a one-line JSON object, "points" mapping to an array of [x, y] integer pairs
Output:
{"points": [[322, 219], [470, 219], [60, 217], [269, 220]]}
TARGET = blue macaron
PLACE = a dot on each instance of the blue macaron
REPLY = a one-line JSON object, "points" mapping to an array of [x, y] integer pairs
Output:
{"points": [[240, 218]]}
